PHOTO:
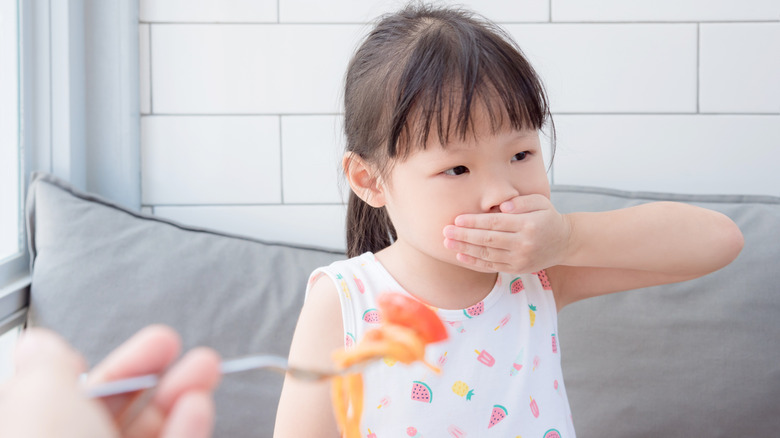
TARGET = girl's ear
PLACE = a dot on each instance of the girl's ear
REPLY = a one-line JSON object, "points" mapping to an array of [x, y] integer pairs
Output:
{"points": [[363, 180]]}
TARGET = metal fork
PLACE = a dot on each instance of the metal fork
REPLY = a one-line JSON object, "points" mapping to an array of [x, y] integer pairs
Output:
{"points": [[235, 365]]}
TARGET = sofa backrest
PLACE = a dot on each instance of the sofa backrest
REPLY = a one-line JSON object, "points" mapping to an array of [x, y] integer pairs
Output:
{"points": [[101, 272], [699, 358]]}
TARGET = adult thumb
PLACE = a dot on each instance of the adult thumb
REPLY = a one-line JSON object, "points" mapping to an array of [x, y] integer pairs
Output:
{"points": [[43, 350]]}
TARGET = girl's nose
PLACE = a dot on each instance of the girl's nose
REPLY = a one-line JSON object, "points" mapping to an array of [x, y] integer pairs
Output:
{"points": [[495, 192]]}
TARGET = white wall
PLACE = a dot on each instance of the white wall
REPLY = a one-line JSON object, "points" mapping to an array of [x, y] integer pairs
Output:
{"points": [[241, 112]]}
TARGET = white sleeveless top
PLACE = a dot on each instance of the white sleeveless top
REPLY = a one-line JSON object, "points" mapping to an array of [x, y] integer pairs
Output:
{"points": [[501, 365]]}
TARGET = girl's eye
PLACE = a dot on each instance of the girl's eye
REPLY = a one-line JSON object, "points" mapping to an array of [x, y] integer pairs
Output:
{"points": [[520, 156], [457, 170]]}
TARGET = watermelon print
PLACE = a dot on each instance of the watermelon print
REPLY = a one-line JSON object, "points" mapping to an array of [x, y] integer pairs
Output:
{"points": [[349, 340], [474, 310], [498, 414], [543, 279], [516, 286], [371, 316], [421, 392], [552, 433]]}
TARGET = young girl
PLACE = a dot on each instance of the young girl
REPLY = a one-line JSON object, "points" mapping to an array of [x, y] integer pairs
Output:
{"points": [[450, 205]]}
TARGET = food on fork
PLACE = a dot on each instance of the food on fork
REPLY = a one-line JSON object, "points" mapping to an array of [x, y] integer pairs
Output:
{"points": [[406, 326]]}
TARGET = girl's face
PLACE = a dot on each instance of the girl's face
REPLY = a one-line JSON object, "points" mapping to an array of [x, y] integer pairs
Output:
{"points": [[426, 191]]}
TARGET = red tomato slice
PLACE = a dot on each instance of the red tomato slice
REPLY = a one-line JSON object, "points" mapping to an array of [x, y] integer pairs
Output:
{"points": [[403, 310]]}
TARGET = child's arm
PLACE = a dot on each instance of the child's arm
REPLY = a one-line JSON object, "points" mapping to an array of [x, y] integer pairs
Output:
{"points": [[589, 254], [305, 408]]}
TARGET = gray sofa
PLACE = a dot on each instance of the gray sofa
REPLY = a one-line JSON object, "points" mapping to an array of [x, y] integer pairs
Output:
{"points": [[700, 358]]}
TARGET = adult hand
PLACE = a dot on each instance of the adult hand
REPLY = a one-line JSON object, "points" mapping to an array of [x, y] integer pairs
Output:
{"points": [[528, 235], [45, 399]]}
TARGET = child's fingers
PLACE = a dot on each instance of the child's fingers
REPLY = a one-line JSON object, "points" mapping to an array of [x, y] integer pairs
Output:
{"points": [[486, 253], [488, 238], [483, 265], [525, 204]]}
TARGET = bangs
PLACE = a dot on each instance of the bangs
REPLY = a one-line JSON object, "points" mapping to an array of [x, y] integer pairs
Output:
{"points": [[453, 67]]}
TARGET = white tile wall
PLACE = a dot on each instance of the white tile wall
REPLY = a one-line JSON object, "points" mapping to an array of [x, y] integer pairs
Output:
{"points": [[735, 154], [591, 68], [317, 225], [144, 68], [740, 68], [209, 11], [243, 96], [312, 147], [362, 11], [249, 69], [665, 10], [210, 160]]}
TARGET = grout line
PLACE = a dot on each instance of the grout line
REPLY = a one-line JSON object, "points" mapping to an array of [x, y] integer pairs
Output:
{"points": [[247, 114], [698, 68], [363, 23], [151, 81], [273, 204], [549, 11], [281, 162], [554, 113]]}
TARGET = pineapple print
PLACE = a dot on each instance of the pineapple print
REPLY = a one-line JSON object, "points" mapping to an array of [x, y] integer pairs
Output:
{"points": [[343, 284], [461, 388], [532, 313]]}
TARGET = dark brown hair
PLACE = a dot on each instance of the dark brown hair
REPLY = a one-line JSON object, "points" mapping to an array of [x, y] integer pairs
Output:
{"points": [[418, 73]]}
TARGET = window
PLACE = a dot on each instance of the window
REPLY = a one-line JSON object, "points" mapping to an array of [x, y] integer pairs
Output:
{"points": [[10, 157], [12, 250]]}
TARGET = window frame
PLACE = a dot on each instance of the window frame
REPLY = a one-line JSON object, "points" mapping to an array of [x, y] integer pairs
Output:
{"points": [[15, 271]]}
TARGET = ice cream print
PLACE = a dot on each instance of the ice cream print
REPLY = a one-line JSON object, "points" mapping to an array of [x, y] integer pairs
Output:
{"points": [[499, 377]]}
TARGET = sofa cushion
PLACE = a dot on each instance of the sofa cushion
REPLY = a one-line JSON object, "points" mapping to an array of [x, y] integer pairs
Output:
{"points": [[101, 272], [698, 358]]}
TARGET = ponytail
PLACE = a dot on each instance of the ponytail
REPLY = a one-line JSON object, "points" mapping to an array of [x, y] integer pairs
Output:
{"points": [[368, 228]]}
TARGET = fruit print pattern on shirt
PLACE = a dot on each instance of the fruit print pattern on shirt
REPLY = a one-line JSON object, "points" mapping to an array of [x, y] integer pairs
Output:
{"points": [[489, 341]]}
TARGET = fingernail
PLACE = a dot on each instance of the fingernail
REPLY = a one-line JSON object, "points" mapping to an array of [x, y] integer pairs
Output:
{"points": [[507, 206], [449, 232]]}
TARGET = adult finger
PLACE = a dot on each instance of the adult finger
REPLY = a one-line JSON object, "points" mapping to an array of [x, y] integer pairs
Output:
{"points": [[192, 416], [150, 351], [198, 370]]}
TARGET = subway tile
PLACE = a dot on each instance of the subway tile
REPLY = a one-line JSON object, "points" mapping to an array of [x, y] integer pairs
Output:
{"points": [[144, 68], [360, 11], [312, 147], [208, 11], [250, 69], [715, 154], [740, 68], [313, 225], [210, 160], [623, 68], [665, 10]]}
